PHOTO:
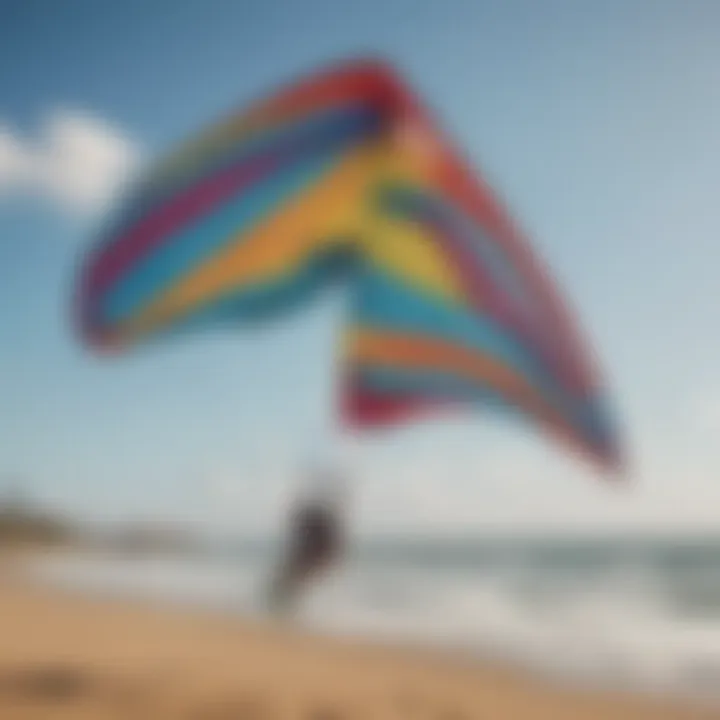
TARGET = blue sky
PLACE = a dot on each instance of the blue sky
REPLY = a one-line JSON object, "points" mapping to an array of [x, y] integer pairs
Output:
{"points": [[596, 121]]}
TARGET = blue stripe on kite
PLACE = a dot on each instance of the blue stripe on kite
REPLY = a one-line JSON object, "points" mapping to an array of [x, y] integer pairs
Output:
{"points": [[596, 417], [444, 386], [388, 302], [432, 384], [291, 290], [278, 138], [178, 254], [258, 303], [385, 302]]}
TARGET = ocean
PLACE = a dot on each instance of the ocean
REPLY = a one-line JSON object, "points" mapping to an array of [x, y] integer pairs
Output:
{"points": [[631, 614]]}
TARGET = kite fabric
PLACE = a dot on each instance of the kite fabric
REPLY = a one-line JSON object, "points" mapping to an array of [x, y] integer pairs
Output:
{"points": [[345, 176]]}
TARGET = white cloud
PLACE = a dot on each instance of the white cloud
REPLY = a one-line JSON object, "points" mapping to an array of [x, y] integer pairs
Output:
{"points": [[78, 162]]}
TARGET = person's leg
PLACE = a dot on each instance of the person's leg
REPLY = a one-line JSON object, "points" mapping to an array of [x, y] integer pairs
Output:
{"points": [[294, 572]]}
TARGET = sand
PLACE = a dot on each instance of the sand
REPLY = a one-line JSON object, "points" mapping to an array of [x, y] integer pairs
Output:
{"points": [[68, 656]]}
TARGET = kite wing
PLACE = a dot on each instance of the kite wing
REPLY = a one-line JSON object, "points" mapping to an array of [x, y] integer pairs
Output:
{"points": [[346, 175]]}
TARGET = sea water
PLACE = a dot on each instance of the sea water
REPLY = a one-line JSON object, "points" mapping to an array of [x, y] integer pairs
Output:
{"points": [[641, 615]]}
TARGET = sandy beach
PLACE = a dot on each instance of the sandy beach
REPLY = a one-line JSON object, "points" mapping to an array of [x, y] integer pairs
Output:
{"points": [[69, 656]]}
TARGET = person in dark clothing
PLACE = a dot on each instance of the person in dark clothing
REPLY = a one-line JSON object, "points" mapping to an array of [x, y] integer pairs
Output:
{"points": [[316, 541]]}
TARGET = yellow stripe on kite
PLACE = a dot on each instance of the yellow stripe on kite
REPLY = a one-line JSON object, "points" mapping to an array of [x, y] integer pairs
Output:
{"points": [[329, 210], [409, 252]]}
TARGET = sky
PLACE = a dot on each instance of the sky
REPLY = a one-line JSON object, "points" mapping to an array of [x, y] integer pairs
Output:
{"points": [[596, 122]]}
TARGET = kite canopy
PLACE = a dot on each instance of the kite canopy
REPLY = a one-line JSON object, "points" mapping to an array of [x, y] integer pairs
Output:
{"points": [[345, 175]]}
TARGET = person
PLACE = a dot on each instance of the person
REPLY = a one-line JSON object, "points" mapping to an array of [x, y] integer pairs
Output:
{"points": [[316, 540]]}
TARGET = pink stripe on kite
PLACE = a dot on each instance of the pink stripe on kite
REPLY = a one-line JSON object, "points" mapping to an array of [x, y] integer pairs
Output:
{"points": [[362, 407], [186, 207]]}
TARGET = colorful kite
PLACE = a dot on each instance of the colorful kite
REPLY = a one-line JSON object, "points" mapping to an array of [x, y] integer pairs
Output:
{"points": [[346, 176]]}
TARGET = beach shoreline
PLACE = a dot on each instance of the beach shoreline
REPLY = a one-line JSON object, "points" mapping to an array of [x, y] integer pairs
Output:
{"points": [[68, 654]]}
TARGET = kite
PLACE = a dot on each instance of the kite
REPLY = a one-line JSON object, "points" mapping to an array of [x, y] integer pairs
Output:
{"points": [[344, 176]]}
